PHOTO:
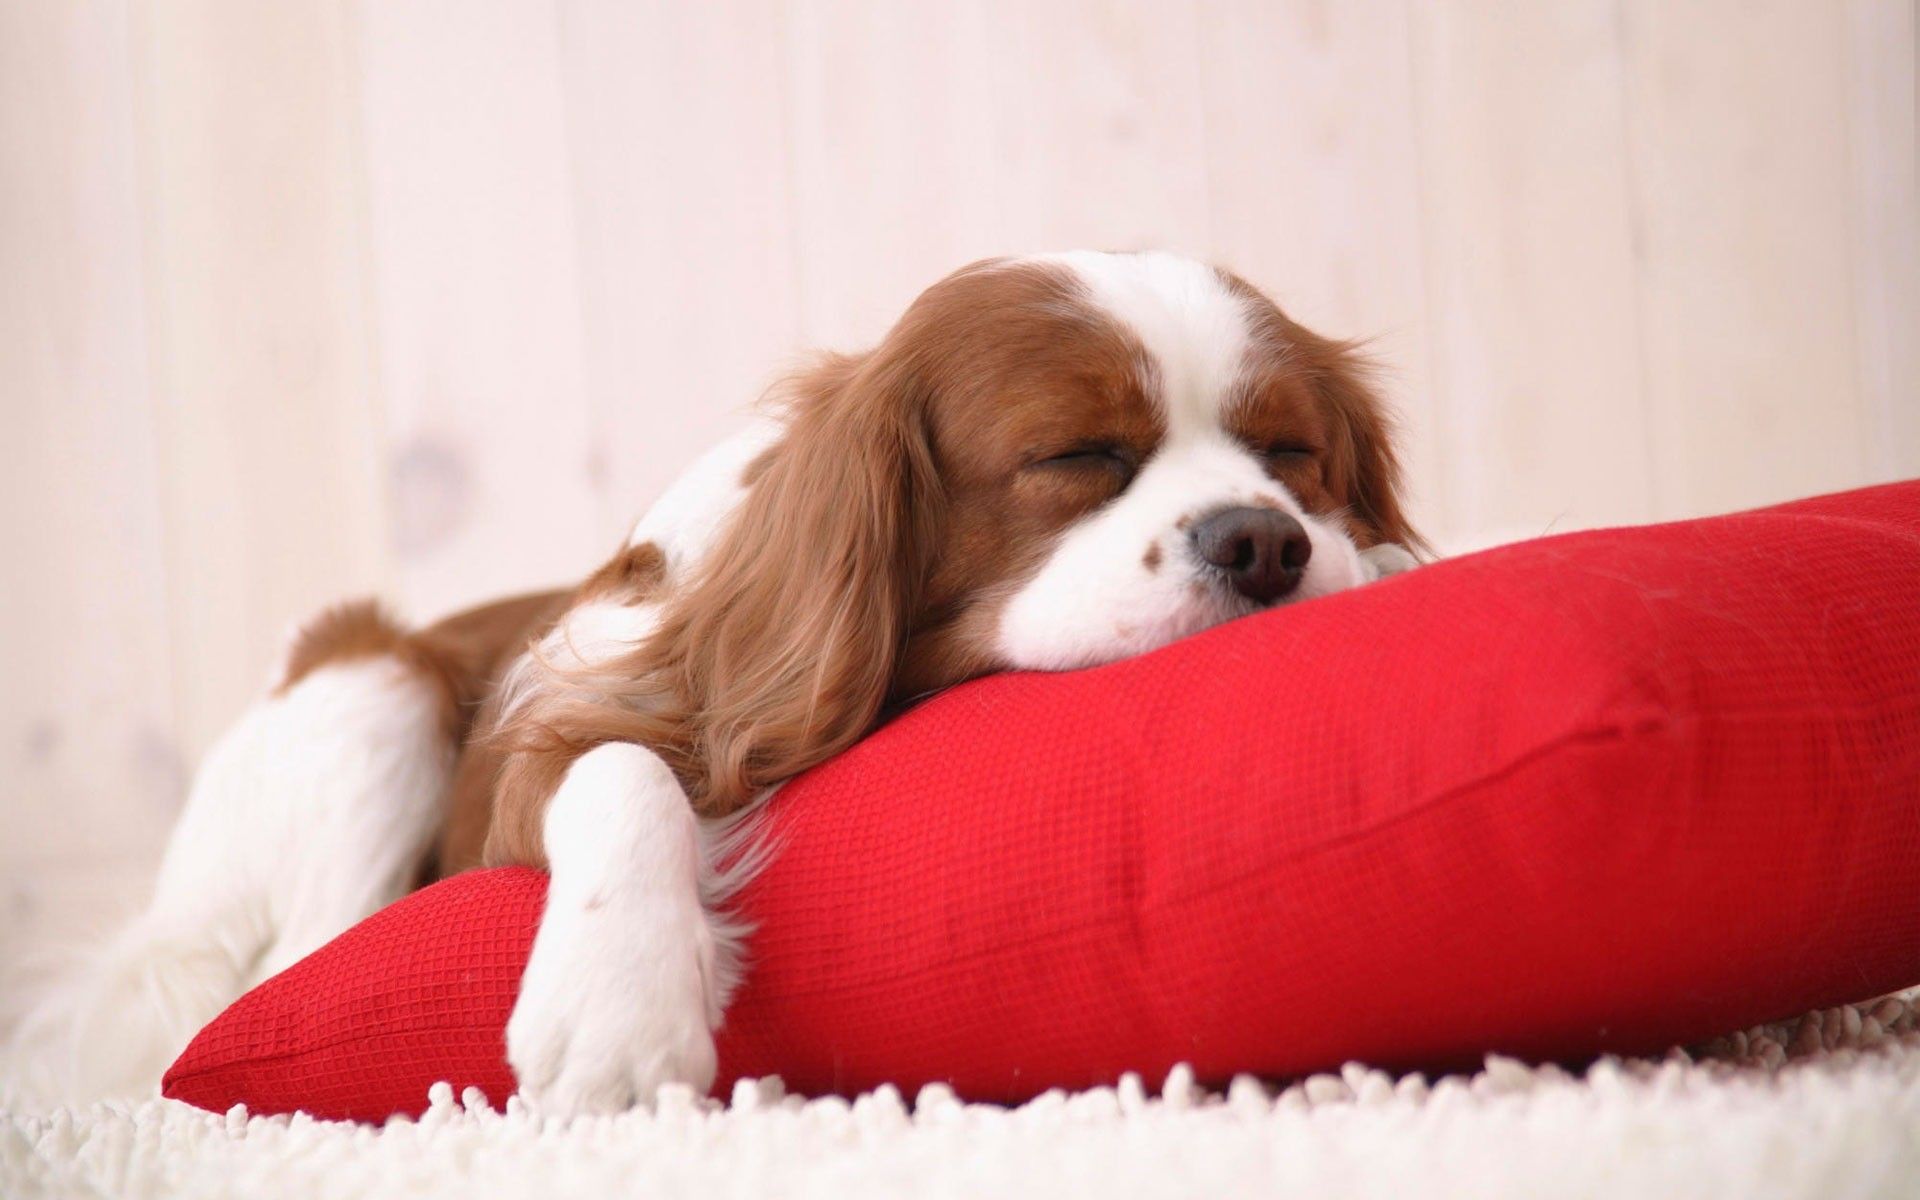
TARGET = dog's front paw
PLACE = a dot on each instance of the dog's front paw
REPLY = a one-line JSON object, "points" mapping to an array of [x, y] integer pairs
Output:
{"points": [[1387, 558], [610, 1009]]}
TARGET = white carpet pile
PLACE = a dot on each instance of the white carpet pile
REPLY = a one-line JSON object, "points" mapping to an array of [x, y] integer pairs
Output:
{"points": [[1827, 1107]]}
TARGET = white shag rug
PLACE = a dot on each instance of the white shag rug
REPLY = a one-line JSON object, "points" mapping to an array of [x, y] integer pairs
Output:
{"points": [[1826, 1107]]}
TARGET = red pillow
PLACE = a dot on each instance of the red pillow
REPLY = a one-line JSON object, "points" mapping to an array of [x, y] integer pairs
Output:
{"points": [[1602, 792]]}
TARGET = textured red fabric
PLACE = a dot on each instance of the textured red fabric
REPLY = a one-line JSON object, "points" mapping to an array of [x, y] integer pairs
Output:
{"points": [[1607, 791]]}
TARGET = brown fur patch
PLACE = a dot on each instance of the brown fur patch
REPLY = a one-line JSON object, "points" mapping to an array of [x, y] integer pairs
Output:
{"points": [[1151, 559], [350, 630], [360, 629], [626, 577], [524, 781], [480, 643]]}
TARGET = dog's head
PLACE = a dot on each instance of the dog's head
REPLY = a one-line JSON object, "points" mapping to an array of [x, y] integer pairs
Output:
{"points": [[1049, 463]]}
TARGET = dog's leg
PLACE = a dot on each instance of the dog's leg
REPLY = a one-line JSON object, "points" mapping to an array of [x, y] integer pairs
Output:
{"points": [[381, 762], [312, 812], [622, 991]]}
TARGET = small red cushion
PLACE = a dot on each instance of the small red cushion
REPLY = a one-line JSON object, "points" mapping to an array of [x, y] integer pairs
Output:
{"points": [[1602, 792]]}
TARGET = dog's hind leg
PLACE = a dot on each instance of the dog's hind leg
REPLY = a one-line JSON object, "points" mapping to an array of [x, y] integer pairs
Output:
{"points": [[312, 812]]}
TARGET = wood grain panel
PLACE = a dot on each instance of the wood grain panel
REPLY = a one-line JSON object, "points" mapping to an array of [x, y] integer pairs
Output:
{"points": [[890, 127], [49, 903], [89, 761], [1883, 144], [1098, 130], [683, 211], [1530, 267], [247, 144], [474, 282], [1738, 121]]}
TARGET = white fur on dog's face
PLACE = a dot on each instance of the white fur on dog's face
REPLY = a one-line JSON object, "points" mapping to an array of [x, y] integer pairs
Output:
{"points": [[1125, 578]]}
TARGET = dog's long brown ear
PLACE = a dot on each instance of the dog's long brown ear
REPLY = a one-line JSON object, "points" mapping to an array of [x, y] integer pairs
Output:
{"points": [[1362, 465], [782, 650]]}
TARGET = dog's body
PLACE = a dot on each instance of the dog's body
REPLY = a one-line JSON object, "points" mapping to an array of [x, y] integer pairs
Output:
{"points": [[1049, 463]]}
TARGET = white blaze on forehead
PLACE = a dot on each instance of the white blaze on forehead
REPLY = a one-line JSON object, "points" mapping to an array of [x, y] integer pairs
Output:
{"points": [[1124, 579], [1193, 327]]}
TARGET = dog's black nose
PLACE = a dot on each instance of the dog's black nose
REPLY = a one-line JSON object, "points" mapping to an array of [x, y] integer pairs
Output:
{"points": [[1263, 552]]}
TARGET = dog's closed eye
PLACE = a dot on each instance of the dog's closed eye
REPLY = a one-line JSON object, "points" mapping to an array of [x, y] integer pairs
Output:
{"points": [[1116, 460]]}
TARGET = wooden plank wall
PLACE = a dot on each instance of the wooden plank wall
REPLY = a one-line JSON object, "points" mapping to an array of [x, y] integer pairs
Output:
{"points": [[428, 297]]}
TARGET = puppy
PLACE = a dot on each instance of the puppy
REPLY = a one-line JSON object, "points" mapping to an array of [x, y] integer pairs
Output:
{"points": [[1048, 463]]}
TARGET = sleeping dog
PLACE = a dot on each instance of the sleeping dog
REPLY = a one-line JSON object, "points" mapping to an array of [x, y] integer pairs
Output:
{"points": [[1048, 463]]}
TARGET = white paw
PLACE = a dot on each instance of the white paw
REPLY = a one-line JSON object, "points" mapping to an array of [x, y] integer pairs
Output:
{"points": [[613, 1005], [1388, 558]]}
